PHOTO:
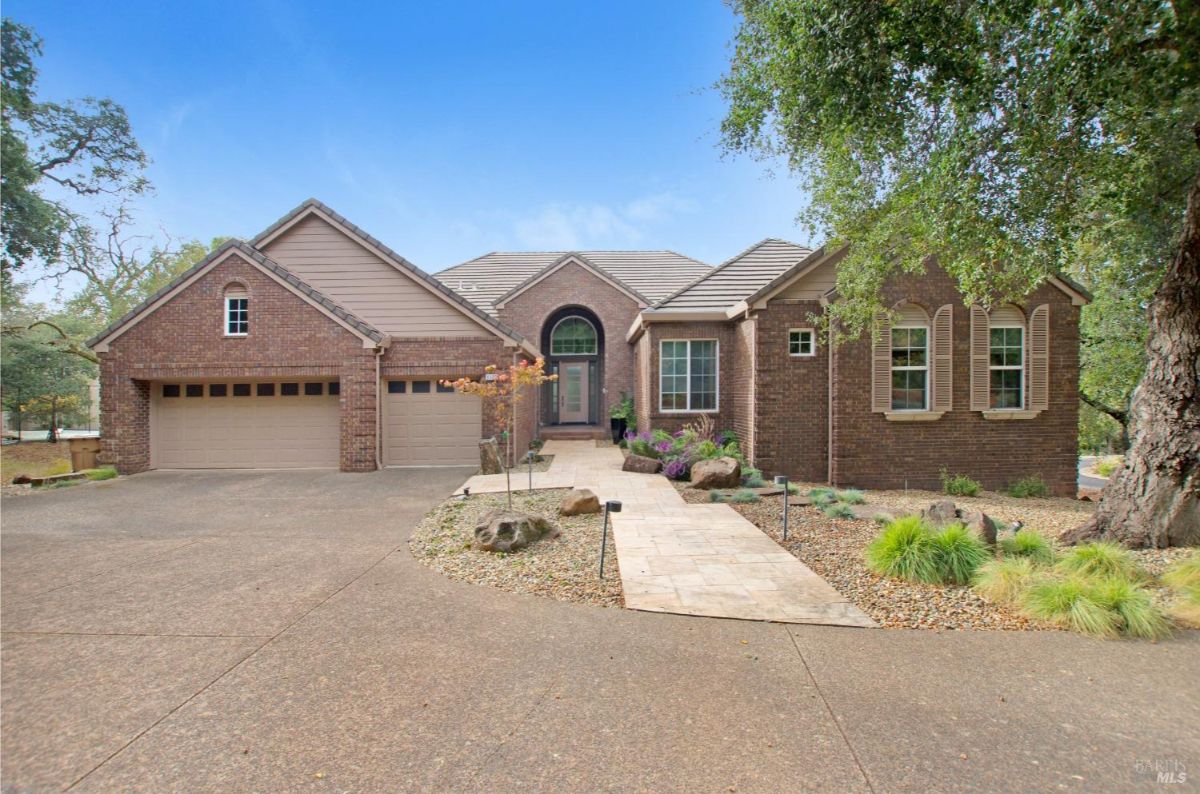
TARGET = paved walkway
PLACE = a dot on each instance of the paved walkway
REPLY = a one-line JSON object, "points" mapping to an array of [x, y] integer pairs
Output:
{"points": [[689, 559]]}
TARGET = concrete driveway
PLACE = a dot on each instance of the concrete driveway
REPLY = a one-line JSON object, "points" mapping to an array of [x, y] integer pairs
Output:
{"points": [[269, 631]]}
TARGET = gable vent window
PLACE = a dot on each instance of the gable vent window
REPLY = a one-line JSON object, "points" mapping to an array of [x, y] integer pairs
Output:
{"points": [[800, 342], [237, 310]]}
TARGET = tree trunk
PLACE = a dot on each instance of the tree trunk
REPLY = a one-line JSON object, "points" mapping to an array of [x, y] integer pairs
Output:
{"points": [[1154, 500]]}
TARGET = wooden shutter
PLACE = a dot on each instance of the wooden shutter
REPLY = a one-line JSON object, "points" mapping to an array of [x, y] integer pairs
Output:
{"points": [[881, 364], [1039, 358], [979, 359], [942, 391]]}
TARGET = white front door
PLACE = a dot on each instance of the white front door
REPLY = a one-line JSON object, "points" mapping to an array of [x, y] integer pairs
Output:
{"points": [[573, 393]]}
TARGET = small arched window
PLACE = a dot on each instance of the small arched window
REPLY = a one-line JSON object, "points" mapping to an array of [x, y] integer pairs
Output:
{"points": [[573, 336], [237, 310]]}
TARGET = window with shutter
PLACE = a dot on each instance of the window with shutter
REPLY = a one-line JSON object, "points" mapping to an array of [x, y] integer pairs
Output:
{"points": [[1039, 358], [881, 365], [943, 359], [979, 358]]}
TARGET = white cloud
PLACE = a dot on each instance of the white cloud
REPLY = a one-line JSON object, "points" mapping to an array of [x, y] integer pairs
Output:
{"points": [[560, 227]]}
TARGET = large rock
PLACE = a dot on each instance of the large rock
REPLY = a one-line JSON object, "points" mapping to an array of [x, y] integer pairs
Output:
{"points": [[717, 473], [489, 457], [641, 464], [504, 530], [578, 502], [939, 514], [944, 513]]}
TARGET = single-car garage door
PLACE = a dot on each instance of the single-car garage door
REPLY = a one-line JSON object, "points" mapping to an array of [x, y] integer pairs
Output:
{"points": [[427, 424], [245, 425]]}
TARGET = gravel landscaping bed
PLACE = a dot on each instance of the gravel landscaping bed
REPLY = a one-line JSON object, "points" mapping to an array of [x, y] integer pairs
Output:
{"points": [[563, 568]]}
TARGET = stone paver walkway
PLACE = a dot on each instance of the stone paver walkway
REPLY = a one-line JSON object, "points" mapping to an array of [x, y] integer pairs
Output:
{"points": [[691, 559]]}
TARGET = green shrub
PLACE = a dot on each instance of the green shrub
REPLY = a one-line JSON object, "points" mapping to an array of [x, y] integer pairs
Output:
{"points": [[744, 496], [822, 496], [1100, 559], [1140, 617], [1106, 466], [904, 550], [958, 554], [851, 496], [733, 450], [1069, 602], [102, 473], [716, 496], [640, 446], [1031, 545], [751, 474], [1028, 487], [705, 450], [838, 510], [793, 489], [657, 436], [754, 482], [1003, 581], [1183, 576], [959, 484]]}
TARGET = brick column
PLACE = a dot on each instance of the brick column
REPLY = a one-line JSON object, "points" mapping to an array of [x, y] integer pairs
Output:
{"points": [[124, 420], [358, 422]]}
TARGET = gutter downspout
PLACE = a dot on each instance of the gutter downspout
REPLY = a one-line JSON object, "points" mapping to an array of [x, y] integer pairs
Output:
{"points": [[829, 411], [378, 410]]}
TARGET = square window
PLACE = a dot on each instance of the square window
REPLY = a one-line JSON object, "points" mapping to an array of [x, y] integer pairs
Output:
{"points": [[335, 387], [314, 389], [688, 375], [241, 390], [289, 389], [265, 390], [444, 389], [397, 386], [800, 342], [218, 389], [194, 390], [170, 390], [420, 387]]}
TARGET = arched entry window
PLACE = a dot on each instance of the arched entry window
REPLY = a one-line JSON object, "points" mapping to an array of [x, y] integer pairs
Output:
{"points": [[573, 336]]}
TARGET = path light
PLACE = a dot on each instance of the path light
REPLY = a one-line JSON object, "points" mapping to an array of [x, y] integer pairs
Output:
{"points": [[609, 507], [529, 460], [781, 480]]}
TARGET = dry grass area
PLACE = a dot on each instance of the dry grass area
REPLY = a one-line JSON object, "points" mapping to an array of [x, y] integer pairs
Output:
{"points": [[34, 458], [565, 568]]}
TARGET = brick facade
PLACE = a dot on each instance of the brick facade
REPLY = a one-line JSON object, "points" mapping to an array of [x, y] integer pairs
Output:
{"points": [[724, 417]]}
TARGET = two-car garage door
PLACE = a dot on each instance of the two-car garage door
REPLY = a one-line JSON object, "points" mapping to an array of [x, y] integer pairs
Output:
{"points": [[245, 425], [297, 425]]}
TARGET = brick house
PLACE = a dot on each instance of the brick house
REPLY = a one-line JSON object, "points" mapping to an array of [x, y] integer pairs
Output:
{"points": [[315, 345]]}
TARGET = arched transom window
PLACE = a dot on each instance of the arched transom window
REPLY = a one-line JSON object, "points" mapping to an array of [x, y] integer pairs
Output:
{"points": [[573, 336]]}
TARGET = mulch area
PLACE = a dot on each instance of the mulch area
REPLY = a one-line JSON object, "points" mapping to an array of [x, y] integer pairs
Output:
{"points": [[565, 568]]}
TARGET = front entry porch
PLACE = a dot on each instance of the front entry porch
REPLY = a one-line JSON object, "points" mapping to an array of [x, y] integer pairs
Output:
{"points": [[575, 432]]}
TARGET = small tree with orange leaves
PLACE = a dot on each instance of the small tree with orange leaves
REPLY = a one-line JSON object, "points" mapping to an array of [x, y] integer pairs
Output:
{"points": [[505, 389]]}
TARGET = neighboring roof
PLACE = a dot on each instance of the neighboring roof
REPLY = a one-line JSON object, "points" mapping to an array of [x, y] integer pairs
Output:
{"points": [[389, 256], [272, 267], [652, 275], [737, 278]]}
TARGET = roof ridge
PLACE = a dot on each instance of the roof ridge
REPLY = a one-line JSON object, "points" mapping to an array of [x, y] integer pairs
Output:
{"points": [[541, 272], [711, 272]]}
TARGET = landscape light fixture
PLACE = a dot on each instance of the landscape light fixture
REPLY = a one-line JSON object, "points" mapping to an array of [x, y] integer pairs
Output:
{"points": [[782, 481], [609, 507], [529, 459]]}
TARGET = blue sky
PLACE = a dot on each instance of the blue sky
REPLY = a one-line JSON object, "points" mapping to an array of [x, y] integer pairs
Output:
{"points": [[445, 129]]}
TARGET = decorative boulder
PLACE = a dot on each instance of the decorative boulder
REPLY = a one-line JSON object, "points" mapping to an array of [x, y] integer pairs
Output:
{"points": [[640, 464], [578, 502], [939, 514], [980, 524], [502, 530], [717, 473], [489, 457]]}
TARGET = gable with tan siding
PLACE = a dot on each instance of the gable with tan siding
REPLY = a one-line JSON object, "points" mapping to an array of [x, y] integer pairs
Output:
{"points": [[358, 279]]}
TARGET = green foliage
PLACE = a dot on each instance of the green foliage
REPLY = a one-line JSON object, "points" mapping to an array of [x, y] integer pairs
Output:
{"points": [[1031, 546], [958, 484], [838, 510], [1106, 466], [744, 496], [705, 450], [1028, 487], [658, 436], [753, 481], [904, 550], [102, 473], [1100, 559], [639, 446], [43, 381], [822, 496], [622, 409], [1003, 581], [958, 554], [1183, 576], [851, 496], [1139, 616], [716, 496], [1070, 602]]}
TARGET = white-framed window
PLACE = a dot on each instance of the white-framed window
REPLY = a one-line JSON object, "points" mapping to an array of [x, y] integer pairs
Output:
{"points": [[237, 315], [573, 336], [801, 342], [910, 368], [1006, 367], [688, 375]]}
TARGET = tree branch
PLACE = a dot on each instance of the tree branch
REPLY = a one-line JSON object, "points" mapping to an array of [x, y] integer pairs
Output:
{"points": [[1122, 417]]}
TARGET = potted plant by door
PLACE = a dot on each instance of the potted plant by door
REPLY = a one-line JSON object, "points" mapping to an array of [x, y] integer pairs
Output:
{"points": [[620, 414]]}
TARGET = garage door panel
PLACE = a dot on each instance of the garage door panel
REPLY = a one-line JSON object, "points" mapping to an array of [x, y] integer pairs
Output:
{"points": [[294, 431], [430, 429]]}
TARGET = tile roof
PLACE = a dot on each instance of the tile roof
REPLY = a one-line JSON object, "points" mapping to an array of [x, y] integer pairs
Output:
{"points": [[328, 304], [737, 278], [651, 274]]}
